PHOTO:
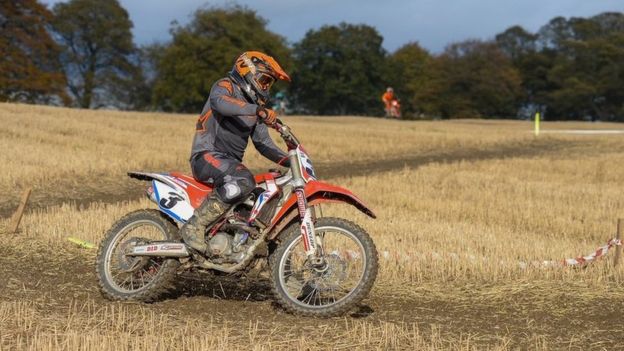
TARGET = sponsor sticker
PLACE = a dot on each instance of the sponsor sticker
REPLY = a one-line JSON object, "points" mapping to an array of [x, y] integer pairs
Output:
{"points": [[301, 203], [310, 234], [171, 247]]}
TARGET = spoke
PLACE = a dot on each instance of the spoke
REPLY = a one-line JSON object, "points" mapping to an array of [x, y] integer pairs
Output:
{"points": [[142, 280], [333, 295], [155, 263], [309, 296], [320, 297], [306, 297], [149, 274], [302, 287], [294, 272], [124, 281], [313, 294], [117, 275]]}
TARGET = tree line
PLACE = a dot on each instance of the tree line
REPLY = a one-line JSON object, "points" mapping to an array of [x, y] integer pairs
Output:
{"points": [[81, 53]]}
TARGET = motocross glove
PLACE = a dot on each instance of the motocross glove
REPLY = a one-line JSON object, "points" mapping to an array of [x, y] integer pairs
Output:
{"points": [[267, 115]]}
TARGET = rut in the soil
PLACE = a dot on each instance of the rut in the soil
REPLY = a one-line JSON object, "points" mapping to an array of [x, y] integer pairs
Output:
{"points": [[68, 279], [517, 149], [90, 191]]}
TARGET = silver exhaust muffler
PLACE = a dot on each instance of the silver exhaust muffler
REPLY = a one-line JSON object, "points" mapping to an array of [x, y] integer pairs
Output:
{"points": [[163, 249]]}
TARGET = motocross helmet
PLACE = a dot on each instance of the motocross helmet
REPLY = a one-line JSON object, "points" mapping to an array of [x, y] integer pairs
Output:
{"points": [[255, 73]]}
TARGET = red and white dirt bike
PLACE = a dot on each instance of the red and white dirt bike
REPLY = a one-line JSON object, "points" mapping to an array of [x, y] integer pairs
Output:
{"points": [[319, 266], [395, 109]]}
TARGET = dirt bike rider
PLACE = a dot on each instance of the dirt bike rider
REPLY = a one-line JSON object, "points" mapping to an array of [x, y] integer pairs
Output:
{"points": [[387, 99], [233, 113]]}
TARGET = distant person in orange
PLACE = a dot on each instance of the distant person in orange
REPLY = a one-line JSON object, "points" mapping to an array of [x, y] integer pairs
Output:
{"points": [[390, 101]]}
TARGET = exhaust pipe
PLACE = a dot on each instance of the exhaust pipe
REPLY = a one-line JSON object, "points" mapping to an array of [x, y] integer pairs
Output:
{"points": [[171, 249]]}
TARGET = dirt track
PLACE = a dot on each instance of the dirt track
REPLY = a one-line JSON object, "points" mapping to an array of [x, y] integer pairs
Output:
{"points": [[54, 280]]}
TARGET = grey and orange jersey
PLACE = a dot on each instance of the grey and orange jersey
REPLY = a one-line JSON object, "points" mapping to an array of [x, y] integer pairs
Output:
{"points": [[228, 121]]}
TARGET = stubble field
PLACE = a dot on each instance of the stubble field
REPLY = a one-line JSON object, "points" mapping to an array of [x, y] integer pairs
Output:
{"points": [[461, 205]]}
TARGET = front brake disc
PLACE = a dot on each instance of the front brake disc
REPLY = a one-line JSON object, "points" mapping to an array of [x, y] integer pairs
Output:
{"points": [[332, 276]]}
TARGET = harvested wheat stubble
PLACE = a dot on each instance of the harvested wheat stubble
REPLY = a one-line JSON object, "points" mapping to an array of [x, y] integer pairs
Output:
{"points": [[84, 155], [503, 195]]}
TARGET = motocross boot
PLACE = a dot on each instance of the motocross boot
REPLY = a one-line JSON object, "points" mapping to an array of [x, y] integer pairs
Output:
{"points": [[193, 232]]}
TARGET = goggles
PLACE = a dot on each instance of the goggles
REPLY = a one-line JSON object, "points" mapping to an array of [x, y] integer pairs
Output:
{"points": [[265, 80]]}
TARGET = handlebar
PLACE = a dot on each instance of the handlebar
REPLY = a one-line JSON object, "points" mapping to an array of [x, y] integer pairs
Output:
{"points": [[285, 132]]}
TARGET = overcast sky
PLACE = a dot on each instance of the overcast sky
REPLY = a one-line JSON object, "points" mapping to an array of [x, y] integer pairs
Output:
{"points": [[432, 23]]}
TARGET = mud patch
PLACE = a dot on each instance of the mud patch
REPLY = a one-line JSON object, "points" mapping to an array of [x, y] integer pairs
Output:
{"points": [[519, 312]]}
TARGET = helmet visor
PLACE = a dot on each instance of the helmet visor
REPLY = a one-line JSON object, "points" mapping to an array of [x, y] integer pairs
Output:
{"points": [[265, 81]]}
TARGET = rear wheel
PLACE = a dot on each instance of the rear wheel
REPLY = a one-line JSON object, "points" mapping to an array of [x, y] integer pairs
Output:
{"points": [[345, 276], [124, 277]]}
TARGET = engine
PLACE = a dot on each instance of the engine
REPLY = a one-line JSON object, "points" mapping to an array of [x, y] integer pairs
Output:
{"points": [[230, 243], [228, 248]]}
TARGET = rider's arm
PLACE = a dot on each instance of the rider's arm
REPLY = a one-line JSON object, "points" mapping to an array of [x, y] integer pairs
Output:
{"points": [[223, 101], [265, 145]]}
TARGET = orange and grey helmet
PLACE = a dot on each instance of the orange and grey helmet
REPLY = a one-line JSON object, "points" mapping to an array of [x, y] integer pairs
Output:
{"points": [[255, 73]]}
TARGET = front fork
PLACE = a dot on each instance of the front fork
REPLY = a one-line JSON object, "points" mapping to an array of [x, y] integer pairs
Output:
{"points": [[306, 214], [306, 223]]}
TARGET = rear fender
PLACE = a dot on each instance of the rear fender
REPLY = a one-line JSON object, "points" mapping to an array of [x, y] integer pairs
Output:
{"points": [[316, 193], [171, 197], [164, 178]]}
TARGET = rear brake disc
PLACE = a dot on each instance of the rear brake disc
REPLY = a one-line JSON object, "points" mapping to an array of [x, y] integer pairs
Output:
{"points": [[125, 261]]}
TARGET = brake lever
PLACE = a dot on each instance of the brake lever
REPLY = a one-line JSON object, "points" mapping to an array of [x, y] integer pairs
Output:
{"points": [[278, 125], [281, 128]]}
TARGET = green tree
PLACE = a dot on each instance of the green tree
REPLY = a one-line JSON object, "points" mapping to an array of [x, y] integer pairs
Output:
{"points": [[588, 70], [339, 70], [472, 79], [98, 50], [205, 50], [522, 48], [516, 42], [409, 70], [29, 67]]}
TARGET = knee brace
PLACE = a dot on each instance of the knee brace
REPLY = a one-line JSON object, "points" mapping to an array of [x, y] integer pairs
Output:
{"points": [[236, 187]]}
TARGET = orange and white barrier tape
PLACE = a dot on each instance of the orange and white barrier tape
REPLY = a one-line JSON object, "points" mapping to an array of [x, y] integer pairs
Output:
{"points": [[583, 260], [405, 256]]}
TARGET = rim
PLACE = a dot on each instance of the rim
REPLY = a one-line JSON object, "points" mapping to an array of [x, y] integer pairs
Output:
{"points": [[328, 285], [132, 274]]}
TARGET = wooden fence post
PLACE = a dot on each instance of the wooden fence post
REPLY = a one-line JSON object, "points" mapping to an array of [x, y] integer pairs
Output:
{"points": [[618, 249], [17, 216]]}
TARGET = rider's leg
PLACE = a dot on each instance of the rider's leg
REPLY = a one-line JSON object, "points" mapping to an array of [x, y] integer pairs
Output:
{"points": [[232, 182]]}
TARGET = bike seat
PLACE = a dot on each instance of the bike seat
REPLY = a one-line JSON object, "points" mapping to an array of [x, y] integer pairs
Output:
{"points": [[206, 186], [196, 190]]}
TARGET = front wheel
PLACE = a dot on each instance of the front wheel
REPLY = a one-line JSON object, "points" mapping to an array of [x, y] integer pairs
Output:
{"points": [[345, 276]]}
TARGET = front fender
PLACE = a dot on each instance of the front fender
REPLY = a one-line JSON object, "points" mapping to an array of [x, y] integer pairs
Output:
{"points": [[316, 193]]}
